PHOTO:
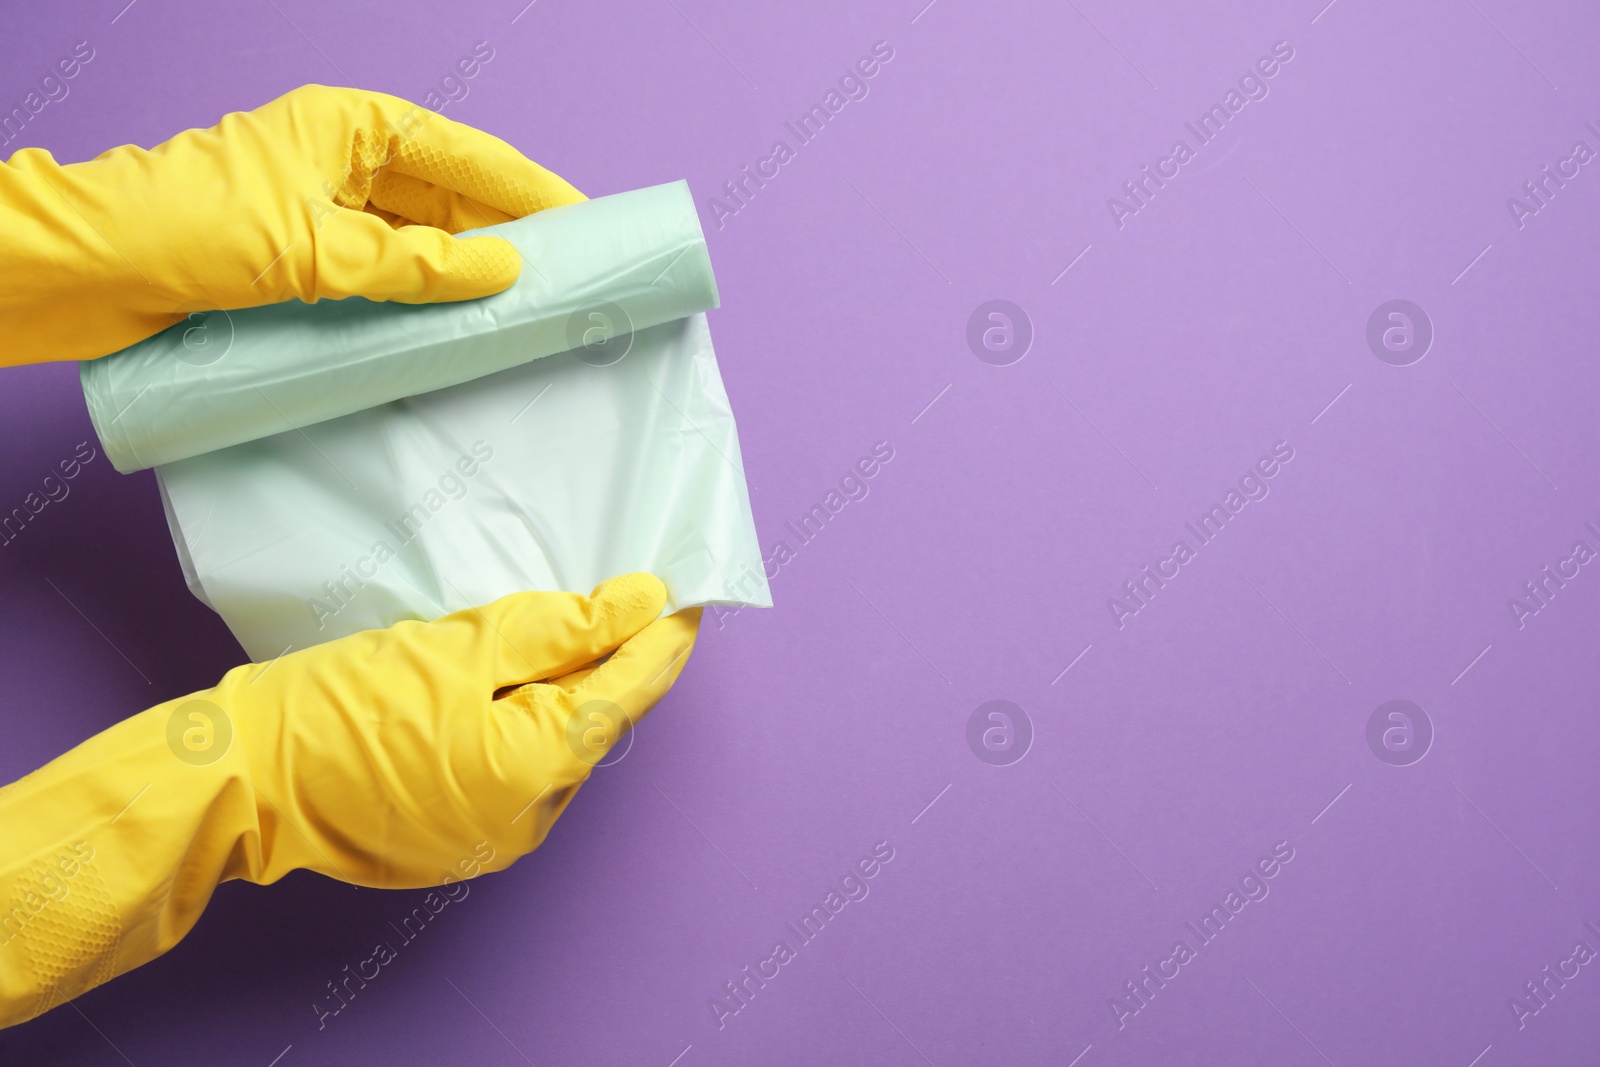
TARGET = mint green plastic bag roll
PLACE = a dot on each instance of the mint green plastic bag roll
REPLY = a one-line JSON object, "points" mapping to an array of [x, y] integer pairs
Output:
{"points": [[638, 257], [338, 467]]}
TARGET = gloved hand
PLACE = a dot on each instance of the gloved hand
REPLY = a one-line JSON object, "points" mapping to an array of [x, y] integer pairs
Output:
{"points": [[406, 757], [321, 193]]}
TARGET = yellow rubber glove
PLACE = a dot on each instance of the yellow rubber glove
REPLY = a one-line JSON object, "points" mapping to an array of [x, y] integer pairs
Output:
{"points": [[321, 193], [414, 756]]}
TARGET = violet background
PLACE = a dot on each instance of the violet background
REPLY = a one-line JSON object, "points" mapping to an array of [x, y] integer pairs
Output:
{"points": [[1175, 752]]}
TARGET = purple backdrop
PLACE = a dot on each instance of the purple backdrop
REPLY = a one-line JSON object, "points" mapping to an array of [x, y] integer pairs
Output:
{"points": [[1231, 718]]}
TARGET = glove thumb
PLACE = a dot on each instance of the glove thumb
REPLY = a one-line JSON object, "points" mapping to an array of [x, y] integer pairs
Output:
{"points": [[367, 257]]}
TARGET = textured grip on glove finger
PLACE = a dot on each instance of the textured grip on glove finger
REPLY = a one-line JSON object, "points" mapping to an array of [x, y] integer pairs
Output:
{"points": [[477, 266], [375, 153], [474, 178], [369, 151], [71, 942]]}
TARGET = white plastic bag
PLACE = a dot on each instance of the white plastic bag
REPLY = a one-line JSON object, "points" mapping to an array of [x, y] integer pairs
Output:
{"points": [[553, 475]]}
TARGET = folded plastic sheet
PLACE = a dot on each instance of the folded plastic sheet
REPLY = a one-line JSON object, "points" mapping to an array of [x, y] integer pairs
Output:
{"points": [[349, 464]]}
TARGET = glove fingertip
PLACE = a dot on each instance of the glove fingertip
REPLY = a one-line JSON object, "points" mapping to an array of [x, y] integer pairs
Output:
{"points": [[533, 636], [641, 671], [639, 592], [475, 266], [365, 256]]}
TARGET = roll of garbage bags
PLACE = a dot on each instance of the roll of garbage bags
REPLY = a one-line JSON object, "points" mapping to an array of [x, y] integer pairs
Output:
{"points": [[335, 467]]}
